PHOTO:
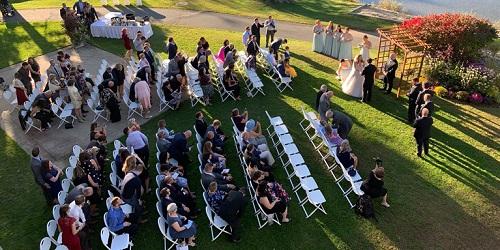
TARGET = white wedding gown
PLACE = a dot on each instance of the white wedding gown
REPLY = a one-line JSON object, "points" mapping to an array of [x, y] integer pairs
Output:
{"points": [[353, 84]]}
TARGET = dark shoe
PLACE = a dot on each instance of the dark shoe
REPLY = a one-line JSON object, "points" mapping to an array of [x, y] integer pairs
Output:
{"points": [[419, 155]]}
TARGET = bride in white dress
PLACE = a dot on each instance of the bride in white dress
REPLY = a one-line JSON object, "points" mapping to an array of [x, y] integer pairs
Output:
{"points": [[353, 84]]}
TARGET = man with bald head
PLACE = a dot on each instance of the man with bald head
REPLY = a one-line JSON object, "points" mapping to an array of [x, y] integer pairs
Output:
{"points": [[422, 132], [389, 71]]}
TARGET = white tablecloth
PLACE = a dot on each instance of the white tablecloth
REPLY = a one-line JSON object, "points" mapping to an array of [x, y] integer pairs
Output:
{"points": [[101, 28]]}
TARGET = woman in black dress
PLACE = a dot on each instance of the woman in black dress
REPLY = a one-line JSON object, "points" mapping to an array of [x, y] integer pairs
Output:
{"points": [[374, 184], [35, 69], [118, 73], [271, 204], [108, 98], [231, 82]]}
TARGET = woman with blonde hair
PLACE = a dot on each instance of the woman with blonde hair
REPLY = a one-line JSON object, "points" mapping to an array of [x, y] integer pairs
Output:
{"points": [[328, 45], [318, 37], [346, 45], [179, 227], [346, 156]]}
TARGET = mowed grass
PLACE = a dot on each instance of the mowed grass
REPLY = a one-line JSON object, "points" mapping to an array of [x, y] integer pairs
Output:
{"points": [[303, 11], [22, 40], [450, 199]]}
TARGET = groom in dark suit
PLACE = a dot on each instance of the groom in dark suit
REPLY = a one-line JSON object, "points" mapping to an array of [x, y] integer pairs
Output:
{"points": [[389, 71], [369, 74]]}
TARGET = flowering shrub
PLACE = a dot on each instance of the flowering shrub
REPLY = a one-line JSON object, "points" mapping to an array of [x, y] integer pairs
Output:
{"points": [[452, 36], [441, 91], [462, 95], [476, 97]]}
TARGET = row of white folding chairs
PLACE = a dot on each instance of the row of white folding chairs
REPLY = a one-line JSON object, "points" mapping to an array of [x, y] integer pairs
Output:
{"points": [[195, 91], [289, 155], [218, 80], [328, 154], [262, 217], [250, 77], [281, 82]]}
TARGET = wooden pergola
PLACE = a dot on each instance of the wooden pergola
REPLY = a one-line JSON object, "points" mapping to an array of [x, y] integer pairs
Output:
{"points": [[413, 48]]}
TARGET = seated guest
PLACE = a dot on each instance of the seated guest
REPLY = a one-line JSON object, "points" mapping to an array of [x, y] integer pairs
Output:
{"points": [[110, 100], [282, 70], [229, 206], [179, 227], [251, 63], [231, 81], [172, 96], [374, 184], [178, 192], [224, 182], [108, 75], [286, 53], [218, 133], [176, 82], [179, 148], [101, 153], [271, 204], [289, 70], [87, 192], [162, 143], [166, 200], [209, 158], [96, 131], [217, 145], [346, 157], [173, 65], [54, 85], [162, 126], [200, 124], [123, 153], [330, 134], [69, 228], [252, 152], [239, 119], [119, 222], [341, 121], [253, 135], [51, 174], [254, 165], [215, 158]]}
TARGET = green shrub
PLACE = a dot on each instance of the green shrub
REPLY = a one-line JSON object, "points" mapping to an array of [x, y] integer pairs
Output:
{"points": [[462, 95], [441, 91]]}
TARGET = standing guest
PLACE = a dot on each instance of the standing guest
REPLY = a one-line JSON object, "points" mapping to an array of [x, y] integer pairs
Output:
{"points": [[341, 121], [203, 43], [205, 79], [366, 45], [245, 38], [428, 104], [118, 221], [324, 104], [228, 48], [369, 74], [55, 69], [76, 211], [138, 43], [317, 37], [107, 75], [179, 148], [389, 71], [127, 44], [270, 25], [140, 143], [36, 168], [256, 26], [231, 82], [110, 100], [51, 174], [271, 204], [270, 58], [276, 46], [343, 70], [40, 109], [172, 96], [420, 98], [63, 11], [337, 34], [229, 206], [24, 74], [374, 184], [321, 91], [76, 100], [179, 227], [34, 69], [79, 7], [134, 184], [221, 55], [230, 58], [148, 54], [20, 89], [412, 99], [345, 51], [171, 48], [239, 120], [143, 95], [286, 53], [89, 15], [422, 132], [328, 45], [68, 227], [200, 124], [55, 86], [96, 131], [118, 73], [252, 46]]}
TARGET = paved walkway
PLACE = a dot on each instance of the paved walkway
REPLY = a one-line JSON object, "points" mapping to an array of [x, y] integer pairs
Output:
{"points": [[200, 19]]}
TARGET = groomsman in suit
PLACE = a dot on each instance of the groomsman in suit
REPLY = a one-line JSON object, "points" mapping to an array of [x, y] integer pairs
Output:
{"points": [[78, 7], [369, 74], [412, 98], [252, 46], [420, 98], [422, 132], [171, 48], [270, 25], [256, 29], [389, 71]]}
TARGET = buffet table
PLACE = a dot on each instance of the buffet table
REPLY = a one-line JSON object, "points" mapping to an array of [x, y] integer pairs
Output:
{"points": [[103, 28]]}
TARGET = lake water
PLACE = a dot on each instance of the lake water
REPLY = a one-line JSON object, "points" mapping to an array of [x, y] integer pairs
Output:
{"points": [[489, 9]]}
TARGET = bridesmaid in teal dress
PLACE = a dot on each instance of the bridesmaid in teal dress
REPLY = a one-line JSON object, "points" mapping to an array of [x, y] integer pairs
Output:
{"points": [[327, 47], [346, 45], [318, 39], [337, 34]]}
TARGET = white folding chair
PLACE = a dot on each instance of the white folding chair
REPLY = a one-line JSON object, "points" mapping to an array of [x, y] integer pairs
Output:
{"points": [[118, 242], [30, 123], [45, 243], [67, 184], [159, 209], [316, 199], [118, 144], [216, 222], [61, 197], [70, 172], [133, 107], [97, 113], [77, 150], [166, 235], [115, 180], [61, 247], [55, 212], [73, 160], [51, 232], [62, 115]]}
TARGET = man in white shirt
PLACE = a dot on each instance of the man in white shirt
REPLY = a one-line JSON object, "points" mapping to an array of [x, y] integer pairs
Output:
{"points": [[246, 36], [138, 43], [270, 26], [75, 210]]}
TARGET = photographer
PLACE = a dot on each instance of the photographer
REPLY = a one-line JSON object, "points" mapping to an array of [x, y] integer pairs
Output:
{"points": [[374, 184], [270, 26]]}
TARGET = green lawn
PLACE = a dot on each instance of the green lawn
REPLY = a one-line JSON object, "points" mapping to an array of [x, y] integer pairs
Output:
{"points": [[450, 199], [20, 41], [303, 11]]}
